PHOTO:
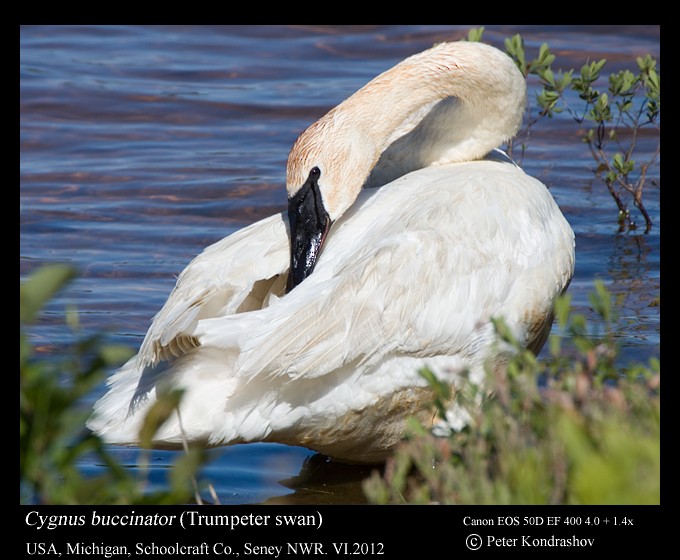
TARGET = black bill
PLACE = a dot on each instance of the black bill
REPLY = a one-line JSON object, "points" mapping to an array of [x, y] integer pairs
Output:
{"points": [[309, 224]]}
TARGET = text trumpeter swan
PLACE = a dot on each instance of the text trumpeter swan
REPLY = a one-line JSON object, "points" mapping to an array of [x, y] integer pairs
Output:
{"points": [[310, 328]]}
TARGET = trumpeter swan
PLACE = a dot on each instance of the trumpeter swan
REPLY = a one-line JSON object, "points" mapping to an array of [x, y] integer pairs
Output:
{"points": [[309, 327]]}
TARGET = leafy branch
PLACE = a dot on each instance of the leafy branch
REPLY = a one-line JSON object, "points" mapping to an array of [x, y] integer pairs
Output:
{"points": [[54, 444], [612, 120], [573, 428]]}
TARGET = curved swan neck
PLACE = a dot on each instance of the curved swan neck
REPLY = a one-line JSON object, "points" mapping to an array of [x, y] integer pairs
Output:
{"points": [[346, 143], [488, 86]]}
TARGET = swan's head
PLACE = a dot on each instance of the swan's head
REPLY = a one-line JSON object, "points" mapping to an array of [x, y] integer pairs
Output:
{"points": [[327, 167], [333, 158]]}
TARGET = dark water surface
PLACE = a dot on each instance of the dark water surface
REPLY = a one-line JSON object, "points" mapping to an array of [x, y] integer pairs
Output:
{"points": [[142, 145]]}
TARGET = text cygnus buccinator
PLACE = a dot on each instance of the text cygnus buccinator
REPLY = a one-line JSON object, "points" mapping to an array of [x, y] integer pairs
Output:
{"points": [[310, 328]]}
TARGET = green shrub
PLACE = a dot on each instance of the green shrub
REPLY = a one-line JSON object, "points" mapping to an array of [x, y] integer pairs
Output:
{"points": [[52, 434], [611, 120], [570, 429]]}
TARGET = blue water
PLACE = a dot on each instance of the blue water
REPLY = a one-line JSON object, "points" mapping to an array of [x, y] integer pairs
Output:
{"points": [[140, 145]]}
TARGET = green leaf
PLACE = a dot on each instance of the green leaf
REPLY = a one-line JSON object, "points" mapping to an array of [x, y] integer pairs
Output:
{"points": [[115, 354], [597, 66], [504, 332], [646, 64], [562, 309], [40, 287], [547, 100], [653, 81], [603, 101], [548, 76], [475, 34], [514, 46], [545, 58], [442, 390], [159, 412], [182, 475], [601, 300]]}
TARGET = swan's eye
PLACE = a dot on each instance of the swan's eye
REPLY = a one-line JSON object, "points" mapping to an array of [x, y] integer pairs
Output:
{"points": [[315, 173]]}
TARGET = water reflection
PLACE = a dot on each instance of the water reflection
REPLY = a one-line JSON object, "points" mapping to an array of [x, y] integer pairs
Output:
{"points": [[324, 482]]}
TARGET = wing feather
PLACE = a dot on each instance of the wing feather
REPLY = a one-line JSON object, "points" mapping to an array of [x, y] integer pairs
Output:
{"points": [[424, 289], [228, 277]]}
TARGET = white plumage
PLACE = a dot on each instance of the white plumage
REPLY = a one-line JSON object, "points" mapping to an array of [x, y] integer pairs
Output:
{"points": [[410, 274]]}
